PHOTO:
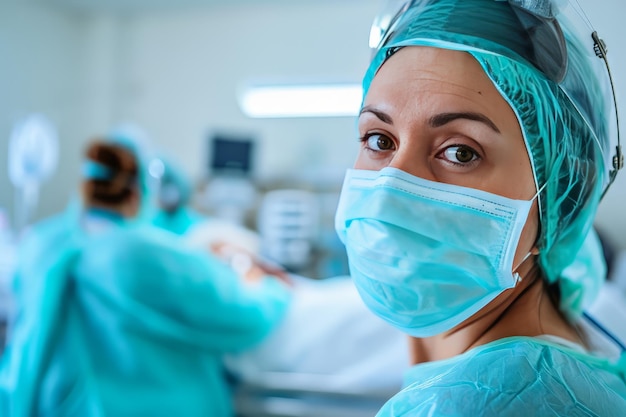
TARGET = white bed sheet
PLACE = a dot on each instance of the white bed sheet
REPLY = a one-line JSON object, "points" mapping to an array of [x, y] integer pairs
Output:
{"points": [[329, 341]]}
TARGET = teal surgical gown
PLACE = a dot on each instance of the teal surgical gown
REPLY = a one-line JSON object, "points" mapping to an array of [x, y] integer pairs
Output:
{"points": [[128, 322], [517, 376], [179, 221]]}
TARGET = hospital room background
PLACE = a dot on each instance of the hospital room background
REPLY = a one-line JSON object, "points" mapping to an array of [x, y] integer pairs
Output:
{"points": [[185, 72]]}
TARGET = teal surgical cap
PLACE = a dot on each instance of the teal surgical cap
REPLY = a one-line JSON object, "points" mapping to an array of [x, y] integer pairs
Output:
{"points": [[540, 55]]}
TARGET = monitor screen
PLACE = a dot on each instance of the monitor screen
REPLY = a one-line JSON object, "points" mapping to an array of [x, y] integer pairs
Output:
{"points": [[231, 154]]}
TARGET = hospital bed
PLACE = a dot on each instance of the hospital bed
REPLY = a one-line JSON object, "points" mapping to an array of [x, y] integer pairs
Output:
{"points": [[298, 395]]}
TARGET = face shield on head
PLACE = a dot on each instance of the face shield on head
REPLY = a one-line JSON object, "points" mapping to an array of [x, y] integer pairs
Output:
{"points": [[550, 65]]}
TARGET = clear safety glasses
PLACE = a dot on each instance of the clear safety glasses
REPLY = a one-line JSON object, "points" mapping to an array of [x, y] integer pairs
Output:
{"points": [[544, 22]]}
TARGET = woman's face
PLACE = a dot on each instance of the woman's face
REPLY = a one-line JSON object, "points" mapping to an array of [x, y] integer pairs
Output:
{"points": [[435, 114]]}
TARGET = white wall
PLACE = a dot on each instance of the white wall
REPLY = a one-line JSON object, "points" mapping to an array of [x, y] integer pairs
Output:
{"points": [[184, 71], [177, 75], [53, 62]]}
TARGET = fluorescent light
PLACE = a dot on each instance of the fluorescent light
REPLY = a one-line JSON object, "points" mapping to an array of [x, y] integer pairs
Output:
{"points": [[302, 101]]}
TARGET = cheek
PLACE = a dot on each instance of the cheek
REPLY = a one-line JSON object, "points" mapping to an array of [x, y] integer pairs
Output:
{"points": [[366, 162], [360, 162]]}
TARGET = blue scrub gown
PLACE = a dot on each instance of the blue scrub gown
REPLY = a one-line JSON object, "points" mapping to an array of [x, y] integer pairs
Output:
{"points": [[128, 322], [517, 376]]}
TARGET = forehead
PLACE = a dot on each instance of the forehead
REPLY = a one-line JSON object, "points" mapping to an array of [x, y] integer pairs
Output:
{"points": [[419, 73]]}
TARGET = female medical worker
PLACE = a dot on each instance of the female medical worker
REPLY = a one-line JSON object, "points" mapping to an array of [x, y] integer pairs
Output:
{"points": [[121, 318], [486, 130]]}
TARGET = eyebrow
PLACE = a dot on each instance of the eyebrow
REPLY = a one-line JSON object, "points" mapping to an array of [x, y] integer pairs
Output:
{"points": [[384, 117], [437, 120]]}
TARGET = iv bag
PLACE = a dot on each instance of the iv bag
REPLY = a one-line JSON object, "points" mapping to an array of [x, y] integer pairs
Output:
{"points": [[33, 156]]}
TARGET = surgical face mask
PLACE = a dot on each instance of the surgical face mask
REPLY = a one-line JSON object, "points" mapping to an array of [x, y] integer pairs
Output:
{"points": [[169, 196], [425, 256]]}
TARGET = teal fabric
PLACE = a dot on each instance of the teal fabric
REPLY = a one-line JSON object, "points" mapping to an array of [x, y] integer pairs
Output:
{"points": [[180, 221], [43, 237], [96, 171], [128, 322], [586, 273], [512, 377]]}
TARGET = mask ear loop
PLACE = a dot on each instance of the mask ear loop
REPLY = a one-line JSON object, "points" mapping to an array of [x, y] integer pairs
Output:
{"points": [[518, 278], [533, 251]]}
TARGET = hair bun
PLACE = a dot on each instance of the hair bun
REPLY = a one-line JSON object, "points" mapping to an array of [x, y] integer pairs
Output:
{"points": [[122, 165]]}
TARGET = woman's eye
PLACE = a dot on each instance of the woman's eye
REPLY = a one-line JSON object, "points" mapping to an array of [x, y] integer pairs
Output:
{"points": [[460, 154], [378, 142]]}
